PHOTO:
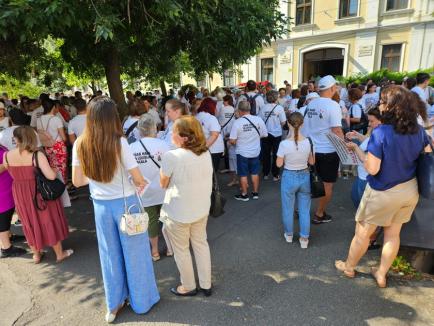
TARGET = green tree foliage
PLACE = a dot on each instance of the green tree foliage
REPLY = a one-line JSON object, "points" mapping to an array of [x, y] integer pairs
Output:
{"points": [[139, 37]]}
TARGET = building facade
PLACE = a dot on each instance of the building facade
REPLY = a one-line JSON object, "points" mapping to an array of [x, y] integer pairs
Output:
{"points": [[343, 37]]}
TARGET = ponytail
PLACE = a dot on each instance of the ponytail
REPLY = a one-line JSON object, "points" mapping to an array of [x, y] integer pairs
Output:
{"points": [[295, 119], [296, 129]]}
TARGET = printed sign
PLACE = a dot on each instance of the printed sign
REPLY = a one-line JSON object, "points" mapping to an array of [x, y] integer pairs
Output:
{"points": [[346, 156]]}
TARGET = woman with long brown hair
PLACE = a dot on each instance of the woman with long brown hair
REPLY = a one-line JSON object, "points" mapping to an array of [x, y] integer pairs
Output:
{"points": [[102, 158], [42, 227], [391, 194], [186, 173], [294, 154]]}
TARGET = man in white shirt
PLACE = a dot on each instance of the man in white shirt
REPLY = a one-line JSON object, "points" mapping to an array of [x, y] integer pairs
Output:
{"points": [[246, 134], [420, 89], [274, 118], [323, 116], [7, 135], [78, 123], [254, 98]]}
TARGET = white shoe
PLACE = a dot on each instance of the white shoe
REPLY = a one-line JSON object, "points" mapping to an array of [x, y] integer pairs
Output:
{"points": [[288, 238], [110, 317], [303, 243]]}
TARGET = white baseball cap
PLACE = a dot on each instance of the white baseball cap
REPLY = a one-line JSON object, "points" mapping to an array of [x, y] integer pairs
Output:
{"points": [[312, 95], [326, 82], [2, 106]]}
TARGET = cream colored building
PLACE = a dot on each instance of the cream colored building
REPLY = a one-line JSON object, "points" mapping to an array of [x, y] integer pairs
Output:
{"points": [[342, 37]]}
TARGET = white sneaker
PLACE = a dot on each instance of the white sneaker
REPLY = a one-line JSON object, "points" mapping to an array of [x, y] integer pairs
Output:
{"points": [[288, 238], [303, 243], [110, 317]]}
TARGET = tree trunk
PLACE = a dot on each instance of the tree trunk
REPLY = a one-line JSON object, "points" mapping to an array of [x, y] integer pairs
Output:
{"points": [[93, 87], [113, 75], [163, 88]]}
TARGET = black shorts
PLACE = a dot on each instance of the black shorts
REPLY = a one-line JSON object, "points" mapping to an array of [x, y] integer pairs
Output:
{"points": [[6, 219], [327, 166]]}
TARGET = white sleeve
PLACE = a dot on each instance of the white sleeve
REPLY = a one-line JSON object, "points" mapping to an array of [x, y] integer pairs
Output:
{"points": [[127, 156], [234, 131], [214, 124], [75, 160], [281, 150], [167, 164], [282, 115], [335, 116], [262, 129], [356, 110], [33, 120], [70, 127]]}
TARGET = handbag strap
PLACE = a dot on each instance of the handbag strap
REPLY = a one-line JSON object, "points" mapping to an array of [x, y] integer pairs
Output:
{"points": [[227, 122], [149, 154], [259, 134], [126, 209]]}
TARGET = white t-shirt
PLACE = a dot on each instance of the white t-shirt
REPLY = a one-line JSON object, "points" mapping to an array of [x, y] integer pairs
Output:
{"points": [[274, 122], [113, 189], [35, 115], [293, 105], [218, 108], [344, 96], [209, 124], [248, 141], [4, 123], [294, 158], [76, 125], [72, 110], [423, 93], [361, 172], [370, 100], [166, 135], [259, 100], [51, 124], [322, 114], [226, 113], [128, 123], [188, 196], [355, 111], [344, 109], [154, 194]]}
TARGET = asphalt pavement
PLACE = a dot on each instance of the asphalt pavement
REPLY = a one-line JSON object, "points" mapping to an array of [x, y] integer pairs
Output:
{"points": [[258, 278]]}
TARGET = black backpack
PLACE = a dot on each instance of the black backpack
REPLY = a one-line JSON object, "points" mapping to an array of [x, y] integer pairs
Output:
{"points": [[363, 124], [252, 101], [48, 189]]}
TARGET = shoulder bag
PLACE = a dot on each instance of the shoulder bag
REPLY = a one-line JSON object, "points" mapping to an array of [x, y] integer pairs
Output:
{"points": [[316, 185], [44, 136], [133, 223], [217, 200], [425, 173], [48, 189]]}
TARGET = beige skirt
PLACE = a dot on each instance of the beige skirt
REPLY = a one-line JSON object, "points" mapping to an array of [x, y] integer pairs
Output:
{"points": [[394, 205]]}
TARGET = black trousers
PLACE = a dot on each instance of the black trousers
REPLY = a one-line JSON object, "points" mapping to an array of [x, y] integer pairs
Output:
{"points": [[270, 145], [215, 157]]}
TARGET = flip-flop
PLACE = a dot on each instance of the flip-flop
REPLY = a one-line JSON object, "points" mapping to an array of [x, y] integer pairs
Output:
{"points": [[69, 253], [340, 266], [37, 261], [381, 285]]}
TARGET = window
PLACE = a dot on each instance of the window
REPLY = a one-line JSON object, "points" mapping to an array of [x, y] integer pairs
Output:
{"points": [[348, 8], [391, 57], [396, 4], [229, 78], [267, 69], [303, 12]]}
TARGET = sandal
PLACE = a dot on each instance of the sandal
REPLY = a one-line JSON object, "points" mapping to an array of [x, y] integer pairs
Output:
{"points": [[341, 266], [156, 257], [381, 284], [38, 258], [67, 253], [169, 254]]}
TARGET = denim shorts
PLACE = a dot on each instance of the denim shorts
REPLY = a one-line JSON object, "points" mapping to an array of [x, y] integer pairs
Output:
{"points": [[246, 165]]}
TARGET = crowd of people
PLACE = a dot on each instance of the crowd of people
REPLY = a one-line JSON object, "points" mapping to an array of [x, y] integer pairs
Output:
{"points": [[162, 156]]}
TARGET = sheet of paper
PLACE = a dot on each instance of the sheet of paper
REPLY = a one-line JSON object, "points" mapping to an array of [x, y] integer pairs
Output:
{"points": [[346, 156]]}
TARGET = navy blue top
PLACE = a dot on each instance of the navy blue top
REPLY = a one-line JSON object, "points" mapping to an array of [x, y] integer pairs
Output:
{"points": [[398, 154]]}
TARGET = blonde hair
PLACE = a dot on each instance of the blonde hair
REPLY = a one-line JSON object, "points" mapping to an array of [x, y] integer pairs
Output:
{"points": [[26, 139], [99, 148], [190, 128]]}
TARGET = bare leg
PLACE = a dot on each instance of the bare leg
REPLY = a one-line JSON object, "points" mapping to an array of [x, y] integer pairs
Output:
{"points": [[154, 246], [359, 245], [255, 182], [390, 249], [323, 201], [244, 185], [5, 242]]}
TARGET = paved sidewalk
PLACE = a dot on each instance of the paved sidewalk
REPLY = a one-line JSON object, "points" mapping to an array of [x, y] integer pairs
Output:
{"points": [[259, 279]]}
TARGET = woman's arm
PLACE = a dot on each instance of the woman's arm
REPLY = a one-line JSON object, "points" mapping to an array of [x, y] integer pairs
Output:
{"points": [[311, 159], [212, 138], [72, 138], [45, 167], [279, 161], [164, 180], [138, 179], [372, 164], [353, 147]]}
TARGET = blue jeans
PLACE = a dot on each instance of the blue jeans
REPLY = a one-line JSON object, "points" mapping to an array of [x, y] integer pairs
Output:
{"points": [[126, 262], [357, 191], [295, 185]]}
